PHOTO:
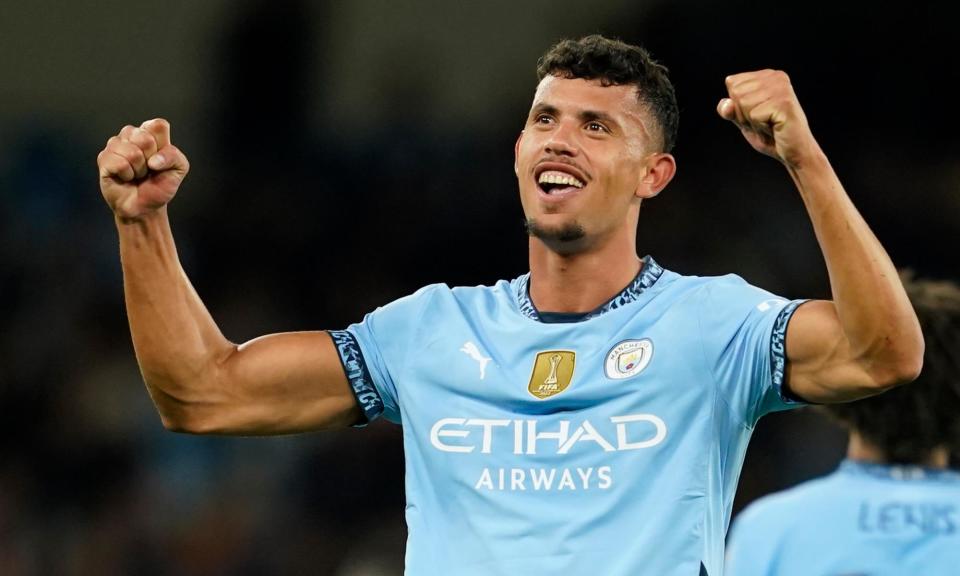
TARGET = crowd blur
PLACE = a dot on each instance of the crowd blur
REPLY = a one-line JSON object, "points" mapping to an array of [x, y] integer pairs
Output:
{"points": [[344, 157]]}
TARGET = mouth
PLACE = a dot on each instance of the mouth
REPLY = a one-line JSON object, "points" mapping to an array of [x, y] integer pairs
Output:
{"points": [[558, 180]]}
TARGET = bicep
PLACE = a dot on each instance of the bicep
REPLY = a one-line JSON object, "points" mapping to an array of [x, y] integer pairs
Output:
{"points": [[282, 383], [822, 366]]}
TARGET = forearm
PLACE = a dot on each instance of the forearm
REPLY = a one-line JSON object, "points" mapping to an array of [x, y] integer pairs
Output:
{"points": [[875, 314], [200, 381], [177, 343]]}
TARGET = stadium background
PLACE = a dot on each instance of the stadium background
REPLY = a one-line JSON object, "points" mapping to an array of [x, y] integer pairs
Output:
{"points": [[345, 154]]}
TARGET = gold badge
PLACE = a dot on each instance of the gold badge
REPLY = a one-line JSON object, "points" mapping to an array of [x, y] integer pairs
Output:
{"points": [[552, 373]]}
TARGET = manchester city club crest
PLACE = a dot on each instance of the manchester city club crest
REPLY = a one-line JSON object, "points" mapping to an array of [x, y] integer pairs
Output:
{"points": [[628, 358]]}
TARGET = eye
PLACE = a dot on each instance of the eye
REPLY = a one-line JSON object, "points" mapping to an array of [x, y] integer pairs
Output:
{"points": [[596, 127], [543, 119]]}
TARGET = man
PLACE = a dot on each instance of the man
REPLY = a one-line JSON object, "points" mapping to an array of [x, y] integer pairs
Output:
{"points": [[892, 507], [588, 417]]}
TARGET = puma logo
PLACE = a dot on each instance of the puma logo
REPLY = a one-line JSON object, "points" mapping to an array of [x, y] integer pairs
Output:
{"points": [[471, 350]]}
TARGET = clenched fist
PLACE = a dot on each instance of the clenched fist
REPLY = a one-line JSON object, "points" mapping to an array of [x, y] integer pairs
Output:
{"points": [[140, 170], [763, 105]]}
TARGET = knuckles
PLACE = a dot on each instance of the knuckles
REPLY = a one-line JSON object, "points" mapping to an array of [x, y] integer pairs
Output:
{"points": [[159, 128], [143, 139], [158, 123], [130, 151], [132, 146], [739, 85], [126, 131]]}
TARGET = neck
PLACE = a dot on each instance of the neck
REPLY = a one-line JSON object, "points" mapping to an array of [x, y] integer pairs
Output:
{"points": [[861, 450], [582, 281]]}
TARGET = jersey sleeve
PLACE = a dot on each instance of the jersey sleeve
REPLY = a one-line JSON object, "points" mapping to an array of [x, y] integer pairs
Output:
{"points": [[743, 330], [374, 352]]}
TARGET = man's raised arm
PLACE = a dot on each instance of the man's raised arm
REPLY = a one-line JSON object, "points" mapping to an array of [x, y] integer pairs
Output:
{"points": [[867, 339], [200, 381]]}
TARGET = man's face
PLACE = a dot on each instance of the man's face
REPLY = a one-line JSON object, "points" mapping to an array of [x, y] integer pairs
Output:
{"points": [[581, 160]]}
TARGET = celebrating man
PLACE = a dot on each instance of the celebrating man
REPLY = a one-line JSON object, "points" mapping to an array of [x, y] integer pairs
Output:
{"points": [[590, 416]]}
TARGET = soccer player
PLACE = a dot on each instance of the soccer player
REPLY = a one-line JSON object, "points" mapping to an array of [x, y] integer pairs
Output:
{"points": [[588, 417], [892, 507]]}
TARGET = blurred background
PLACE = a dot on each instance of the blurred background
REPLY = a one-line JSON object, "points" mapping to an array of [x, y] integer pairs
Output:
{"points": [[345, 154]]}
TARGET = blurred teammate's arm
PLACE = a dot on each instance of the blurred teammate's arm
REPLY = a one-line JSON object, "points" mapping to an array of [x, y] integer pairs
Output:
{"points": [[200, 381], [868, 338]]}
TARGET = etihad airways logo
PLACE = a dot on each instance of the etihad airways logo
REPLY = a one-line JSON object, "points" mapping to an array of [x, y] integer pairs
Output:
{"points": [[486, 435]]}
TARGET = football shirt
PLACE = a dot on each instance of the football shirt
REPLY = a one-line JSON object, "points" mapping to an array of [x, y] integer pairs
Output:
{"points": [[862, 520], [603, 443]]}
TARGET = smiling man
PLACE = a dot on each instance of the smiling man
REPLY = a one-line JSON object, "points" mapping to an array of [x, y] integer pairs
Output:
{"points": [[588, 417]]}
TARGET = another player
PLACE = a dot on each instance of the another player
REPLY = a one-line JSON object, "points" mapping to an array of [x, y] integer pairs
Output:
{"points": [[892, 507], [589, 417]]}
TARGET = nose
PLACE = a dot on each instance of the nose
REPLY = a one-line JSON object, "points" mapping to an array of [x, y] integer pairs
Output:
{"points": [[562, 141]]}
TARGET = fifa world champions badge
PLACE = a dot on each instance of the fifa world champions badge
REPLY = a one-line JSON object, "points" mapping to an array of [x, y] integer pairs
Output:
{"points": [[552, 373]]}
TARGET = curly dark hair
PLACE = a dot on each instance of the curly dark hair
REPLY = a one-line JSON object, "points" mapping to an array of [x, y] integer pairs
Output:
{"points": [[909, 422], [617, 63]]}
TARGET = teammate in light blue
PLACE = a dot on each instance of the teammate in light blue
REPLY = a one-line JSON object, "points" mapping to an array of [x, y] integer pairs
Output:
{"points": [[589, 417], [892, 508]]}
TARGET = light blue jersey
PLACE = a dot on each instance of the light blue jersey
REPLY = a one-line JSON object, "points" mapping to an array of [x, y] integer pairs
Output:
{"points": [[862, 520], [604, 444]]}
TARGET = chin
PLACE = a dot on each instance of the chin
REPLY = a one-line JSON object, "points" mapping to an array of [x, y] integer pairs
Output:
{"points": [[564, 238]]}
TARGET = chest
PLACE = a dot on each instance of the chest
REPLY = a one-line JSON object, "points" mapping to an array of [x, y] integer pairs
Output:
{"points": [[613, 366]]}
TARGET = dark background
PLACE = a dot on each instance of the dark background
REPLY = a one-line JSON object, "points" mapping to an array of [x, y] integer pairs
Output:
{"points": [[345, 154]]}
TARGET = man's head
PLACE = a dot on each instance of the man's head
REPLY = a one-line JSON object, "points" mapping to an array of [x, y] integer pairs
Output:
{"points": [[596, 142], [908, 423]]}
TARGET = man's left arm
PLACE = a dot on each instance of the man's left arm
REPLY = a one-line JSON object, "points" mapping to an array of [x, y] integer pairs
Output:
{"points": [[867, 339]]}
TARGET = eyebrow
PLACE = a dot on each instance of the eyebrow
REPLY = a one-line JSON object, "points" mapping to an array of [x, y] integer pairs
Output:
{"points": [[583, 115]]}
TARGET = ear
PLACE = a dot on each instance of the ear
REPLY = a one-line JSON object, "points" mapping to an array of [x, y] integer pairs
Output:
{"points": [[516, 153], [658, 171]]}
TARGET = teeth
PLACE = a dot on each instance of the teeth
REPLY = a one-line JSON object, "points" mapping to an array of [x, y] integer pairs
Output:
{"points": [[555, 177]]}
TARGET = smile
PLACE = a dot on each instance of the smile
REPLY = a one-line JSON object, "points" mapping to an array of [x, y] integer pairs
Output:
{"points": [[552, 180], [556, 180]]}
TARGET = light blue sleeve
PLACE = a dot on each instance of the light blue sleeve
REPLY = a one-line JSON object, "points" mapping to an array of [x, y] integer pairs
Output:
{"points": [[751, 546], [374, 352], [743, 330]]}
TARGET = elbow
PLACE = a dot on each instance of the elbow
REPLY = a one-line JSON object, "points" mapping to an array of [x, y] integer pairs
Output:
{"points": [[901, 365], [188, 422], [176, 424], [184, 409], [180, 419], [189, 397], [901, 373]]}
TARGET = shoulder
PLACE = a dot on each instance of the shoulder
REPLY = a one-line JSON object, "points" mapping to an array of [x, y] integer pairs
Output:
{"points": [[441, 297], [710, 286], [719, 297], [677, 287], [779, 511], [416, 299], [442, 289], [500, 289], [732, 288]]}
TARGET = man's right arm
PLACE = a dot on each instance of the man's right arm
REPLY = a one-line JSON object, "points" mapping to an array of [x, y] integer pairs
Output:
{"points": [[200, 381]]}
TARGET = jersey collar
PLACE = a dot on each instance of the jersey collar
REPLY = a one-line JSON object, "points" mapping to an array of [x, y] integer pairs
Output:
{"points": [[649, 273], [897, 471]]}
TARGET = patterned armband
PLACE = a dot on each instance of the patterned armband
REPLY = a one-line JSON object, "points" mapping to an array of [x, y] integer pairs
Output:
{"points": [[355, 367], [778, 351]]}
